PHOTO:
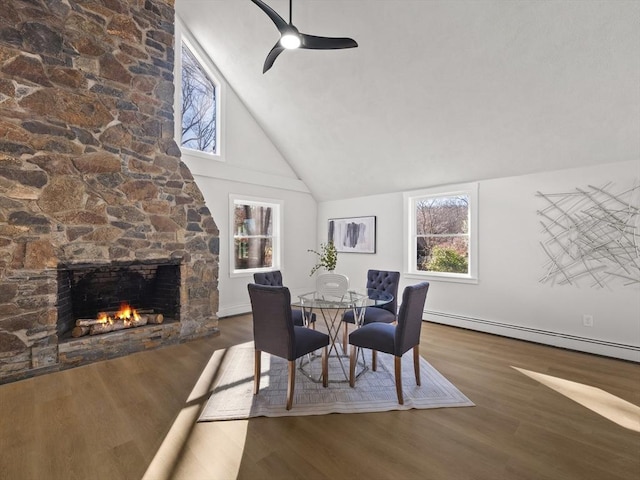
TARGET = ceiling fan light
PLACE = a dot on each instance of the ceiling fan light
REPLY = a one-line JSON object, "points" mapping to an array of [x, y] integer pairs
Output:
{"points": [[290, 41]]}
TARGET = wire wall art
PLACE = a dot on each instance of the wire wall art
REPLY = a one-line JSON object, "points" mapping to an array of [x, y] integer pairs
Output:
{"points": [[591, 236]]}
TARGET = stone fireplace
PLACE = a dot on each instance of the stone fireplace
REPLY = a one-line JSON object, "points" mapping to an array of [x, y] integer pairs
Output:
{"points": [[95, 204]]}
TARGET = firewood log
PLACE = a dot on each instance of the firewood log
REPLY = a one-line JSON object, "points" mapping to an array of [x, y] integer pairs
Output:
{"points": [[156, 318], [142, 320], [87, 322], [80, 331], [99, 328]]}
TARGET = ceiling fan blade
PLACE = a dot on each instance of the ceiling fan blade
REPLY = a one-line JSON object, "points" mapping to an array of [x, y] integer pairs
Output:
{"points": [[326, 43], [281, 25], [271, 57]]}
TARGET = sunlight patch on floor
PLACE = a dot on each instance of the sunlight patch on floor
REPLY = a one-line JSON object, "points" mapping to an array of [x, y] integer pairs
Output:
{"points": [[613, 408], [192, 448]]}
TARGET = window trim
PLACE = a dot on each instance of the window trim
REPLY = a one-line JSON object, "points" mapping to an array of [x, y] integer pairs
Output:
{"points": [[410, 198], [182, 34], [277, 238]]}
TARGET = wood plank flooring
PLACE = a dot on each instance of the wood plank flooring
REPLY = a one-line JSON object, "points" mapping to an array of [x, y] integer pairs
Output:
{"points": [[135, 417]]}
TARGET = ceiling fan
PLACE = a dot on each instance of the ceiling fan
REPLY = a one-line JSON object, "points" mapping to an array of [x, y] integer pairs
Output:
{"points": [[291, 38]]}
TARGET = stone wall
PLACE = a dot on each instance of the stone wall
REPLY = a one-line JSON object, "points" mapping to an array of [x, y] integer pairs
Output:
{"points": [[89, 170]]}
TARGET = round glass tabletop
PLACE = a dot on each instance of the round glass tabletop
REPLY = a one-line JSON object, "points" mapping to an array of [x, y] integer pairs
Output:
{"points": [[351, 299]]}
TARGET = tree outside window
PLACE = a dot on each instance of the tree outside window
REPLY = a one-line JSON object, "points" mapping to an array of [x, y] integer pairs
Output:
{"points": [[442, 234], [255, 235], [199, 105]]}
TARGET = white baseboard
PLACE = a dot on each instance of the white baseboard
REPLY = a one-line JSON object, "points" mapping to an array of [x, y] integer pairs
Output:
{"points": [[571, 342]]}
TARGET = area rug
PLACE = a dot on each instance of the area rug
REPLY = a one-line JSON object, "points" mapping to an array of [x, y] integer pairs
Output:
{"points": [[233, 398]]}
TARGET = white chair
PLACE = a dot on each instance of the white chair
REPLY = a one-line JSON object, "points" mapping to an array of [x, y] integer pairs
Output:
{"points": [[333, 285]]}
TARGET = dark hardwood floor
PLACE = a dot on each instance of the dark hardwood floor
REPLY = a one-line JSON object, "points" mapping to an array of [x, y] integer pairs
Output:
{"points": [[135, 417]]}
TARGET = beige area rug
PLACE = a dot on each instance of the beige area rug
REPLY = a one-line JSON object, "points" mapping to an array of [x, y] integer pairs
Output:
{"points": [[233, 397]]}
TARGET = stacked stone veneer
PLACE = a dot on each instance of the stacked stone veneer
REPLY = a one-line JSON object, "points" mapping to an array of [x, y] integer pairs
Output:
{"points": [[89, 171]]}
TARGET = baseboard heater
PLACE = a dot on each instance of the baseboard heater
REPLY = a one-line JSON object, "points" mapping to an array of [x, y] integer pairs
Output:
{"points": [[602, 347]]}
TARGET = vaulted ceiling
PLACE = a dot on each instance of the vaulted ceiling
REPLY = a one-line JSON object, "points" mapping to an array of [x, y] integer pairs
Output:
{"points": [[438, 91]]}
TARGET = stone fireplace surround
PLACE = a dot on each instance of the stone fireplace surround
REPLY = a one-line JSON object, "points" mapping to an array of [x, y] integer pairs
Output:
{"points": [[90, 175]]}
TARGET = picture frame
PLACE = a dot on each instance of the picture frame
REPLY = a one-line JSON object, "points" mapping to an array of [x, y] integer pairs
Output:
{"points": [[353, 234]]}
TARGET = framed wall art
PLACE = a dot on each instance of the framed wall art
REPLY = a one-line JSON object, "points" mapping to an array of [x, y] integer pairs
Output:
{"points": [[353, 234]]}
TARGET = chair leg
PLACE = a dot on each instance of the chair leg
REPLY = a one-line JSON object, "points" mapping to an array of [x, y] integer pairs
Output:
{"points": [[374, 360], [325, 367], [345, 337], [416, 363], [353, 357], [256, 372], [398, 371], [291, 383]]}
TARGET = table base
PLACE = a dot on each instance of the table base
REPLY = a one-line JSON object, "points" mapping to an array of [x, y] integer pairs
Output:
{"points": [[305, 365]]}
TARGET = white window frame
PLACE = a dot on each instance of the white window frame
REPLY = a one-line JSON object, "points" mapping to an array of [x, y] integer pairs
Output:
{"points": [[277, 242], [410, 232], [182, 34]]}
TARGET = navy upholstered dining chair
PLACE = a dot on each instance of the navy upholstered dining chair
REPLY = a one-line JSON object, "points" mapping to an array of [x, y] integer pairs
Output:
{"points": [[383, 281], [394, 339], [275, 333], [274, 278]]}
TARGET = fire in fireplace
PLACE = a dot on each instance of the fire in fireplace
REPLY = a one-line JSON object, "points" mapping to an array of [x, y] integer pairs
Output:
{"points": [[126, 317], [94, 299]]}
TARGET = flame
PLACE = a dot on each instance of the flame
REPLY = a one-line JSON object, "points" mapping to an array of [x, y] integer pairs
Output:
{"points": [[126, 313]]}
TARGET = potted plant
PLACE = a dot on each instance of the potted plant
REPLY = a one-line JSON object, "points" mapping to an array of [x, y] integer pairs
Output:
{"points": [[327, 257]]}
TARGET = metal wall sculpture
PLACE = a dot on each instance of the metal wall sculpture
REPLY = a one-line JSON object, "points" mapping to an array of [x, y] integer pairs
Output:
{"points": [[592, 236]]}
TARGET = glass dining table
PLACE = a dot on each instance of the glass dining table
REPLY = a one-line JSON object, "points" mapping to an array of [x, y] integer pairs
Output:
{"points": [[331, 308]]}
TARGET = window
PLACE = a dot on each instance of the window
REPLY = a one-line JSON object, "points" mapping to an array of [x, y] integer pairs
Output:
{"points": [[198, 100], [255, 239], [442, 233], [199, 105]]}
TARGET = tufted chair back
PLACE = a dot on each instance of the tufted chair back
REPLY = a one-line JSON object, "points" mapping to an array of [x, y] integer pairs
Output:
{"points": [[273, 279], [387, 282]]}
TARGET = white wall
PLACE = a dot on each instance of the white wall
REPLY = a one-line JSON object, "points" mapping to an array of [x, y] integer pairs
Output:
{"points": [[509, 299], [299, 234], [254, 167]]}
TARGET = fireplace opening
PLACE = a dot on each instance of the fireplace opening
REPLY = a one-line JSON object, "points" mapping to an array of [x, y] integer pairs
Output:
{"points": [[87, 291]]}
